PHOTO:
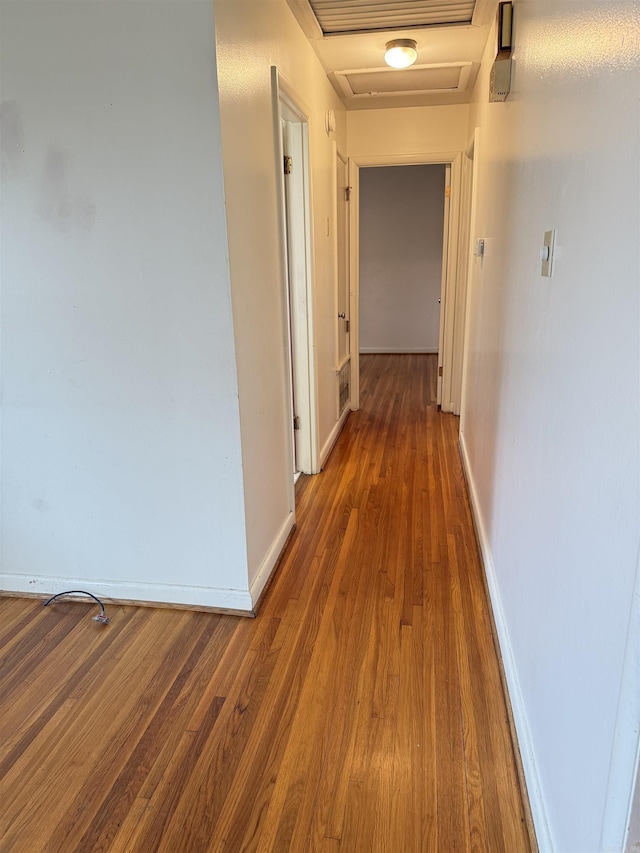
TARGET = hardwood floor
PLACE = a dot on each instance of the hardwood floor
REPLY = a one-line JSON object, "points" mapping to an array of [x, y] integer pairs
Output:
{"points": [[362, 710]]}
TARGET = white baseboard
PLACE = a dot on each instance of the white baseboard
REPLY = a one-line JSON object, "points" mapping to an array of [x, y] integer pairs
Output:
{"points": [[148, 593], [333, 437], [534, 789], [271, 558], [399, 350]]}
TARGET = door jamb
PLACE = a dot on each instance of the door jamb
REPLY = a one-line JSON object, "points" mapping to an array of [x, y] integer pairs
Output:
{"points": [[468, 188]]}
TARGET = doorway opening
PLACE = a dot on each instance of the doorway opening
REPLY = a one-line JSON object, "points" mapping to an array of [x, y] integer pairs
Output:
{"points": [[403, 240], [292, 138], [450, 317]]}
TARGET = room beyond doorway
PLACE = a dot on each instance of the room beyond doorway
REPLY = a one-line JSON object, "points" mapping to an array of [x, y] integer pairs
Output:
{"points": [[401, 241], [453, 266]]}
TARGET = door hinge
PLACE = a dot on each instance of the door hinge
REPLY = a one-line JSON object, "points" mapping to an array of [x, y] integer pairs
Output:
{"points": [[288, 164], [347, 326], [447, 192], [296, 422], [440, 371], [347, 193]]}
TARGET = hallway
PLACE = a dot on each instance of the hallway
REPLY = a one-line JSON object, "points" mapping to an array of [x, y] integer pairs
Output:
{"points": [[362, 710]]}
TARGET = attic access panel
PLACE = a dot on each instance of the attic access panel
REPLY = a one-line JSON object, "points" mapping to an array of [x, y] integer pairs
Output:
{"points": [[351, 16], [417, 80]]}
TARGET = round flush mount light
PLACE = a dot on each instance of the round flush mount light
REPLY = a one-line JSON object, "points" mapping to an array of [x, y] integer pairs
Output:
{"points": [[401, 53]]}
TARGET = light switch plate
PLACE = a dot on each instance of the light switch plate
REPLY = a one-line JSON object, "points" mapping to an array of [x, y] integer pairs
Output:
{"points": [[546, 255]]}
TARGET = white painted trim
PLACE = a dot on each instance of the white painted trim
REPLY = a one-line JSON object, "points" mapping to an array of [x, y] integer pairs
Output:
{"points": [[276, 95], [334, 243], [460, 311], [354, 282], [422, 158], [271, 558], [625, 755], [452, 285], [399, 350], [333, 437], [338, 155], [285, 92], [534, 788], [194, 596]]}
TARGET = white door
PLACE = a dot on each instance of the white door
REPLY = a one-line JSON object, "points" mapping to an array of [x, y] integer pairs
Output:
{"points": [[293, 263], [296, 203]]}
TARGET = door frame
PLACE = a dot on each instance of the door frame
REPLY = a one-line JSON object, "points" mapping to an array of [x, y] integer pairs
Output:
{"points": [[299, 353], [340, 362], [472, 154], [447, 307], [468, 192]]}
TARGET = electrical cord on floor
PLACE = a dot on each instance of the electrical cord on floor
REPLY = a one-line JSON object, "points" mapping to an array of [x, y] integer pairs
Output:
{"points": [[100, 617]]}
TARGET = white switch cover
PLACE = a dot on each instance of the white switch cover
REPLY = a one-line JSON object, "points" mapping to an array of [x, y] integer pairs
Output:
{"points": [[546, 255]]}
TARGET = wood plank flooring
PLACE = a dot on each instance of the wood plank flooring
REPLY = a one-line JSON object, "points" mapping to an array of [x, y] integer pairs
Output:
{"points": [[362, 710]]}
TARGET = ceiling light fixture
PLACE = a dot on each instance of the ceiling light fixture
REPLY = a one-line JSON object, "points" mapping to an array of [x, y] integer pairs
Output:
{"points": [[401, 53]]}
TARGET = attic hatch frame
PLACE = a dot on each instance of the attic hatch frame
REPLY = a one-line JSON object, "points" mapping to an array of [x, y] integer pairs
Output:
{"points": [[347, 77]]}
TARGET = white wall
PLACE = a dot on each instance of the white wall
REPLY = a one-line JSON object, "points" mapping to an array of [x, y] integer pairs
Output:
{"points": [[120, 428], [401, 232], [551, 403], [407, 130], [253, 35]]}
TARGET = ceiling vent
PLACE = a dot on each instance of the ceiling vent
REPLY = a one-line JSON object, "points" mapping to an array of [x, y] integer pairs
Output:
{"points": [[417, 80], [354, 16]]}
